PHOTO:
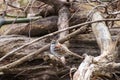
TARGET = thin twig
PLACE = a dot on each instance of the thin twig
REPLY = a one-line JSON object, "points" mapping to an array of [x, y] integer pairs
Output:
{"points": [[35, 54], [54, 33]]}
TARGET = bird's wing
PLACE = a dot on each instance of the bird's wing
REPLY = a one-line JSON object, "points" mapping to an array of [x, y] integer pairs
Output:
{"points": [[70, 52]]}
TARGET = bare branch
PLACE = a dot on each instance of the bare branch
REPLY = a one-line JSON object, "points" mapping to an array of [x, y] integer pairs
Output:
{"points": [[51, 34], [101, 32], [34, 54]]}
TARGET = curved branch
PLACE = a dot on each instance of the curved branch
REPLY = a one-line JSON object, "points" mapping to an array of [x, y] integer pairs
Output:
{"points": [[54, 33]]}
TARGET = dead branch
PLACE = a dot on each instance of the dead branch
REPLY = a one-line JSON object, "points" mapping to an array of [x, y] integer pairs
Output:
{"points": [[39, 27], [102, 65], [85, 41], [15, 41], [97, 65], [34, 54], [63, 21], [103, 37], [51, 34], [30, 68], [48, 24], [22, 20]]}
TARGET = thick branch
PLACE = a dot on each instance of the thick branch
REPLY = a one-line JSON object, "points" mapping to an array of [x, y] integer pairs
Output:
{"points": [[38, 27], [98, 65], [51, 34], [34, 54], [63, 21], [101, 33], [104, 39], [20, 20]]}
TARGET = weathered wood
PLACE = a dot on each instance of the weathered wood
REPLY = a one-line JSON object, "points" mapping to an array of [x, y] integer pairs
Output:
{"points": [[14, 41], [98, 66], [49, 24], [79, 44], [103, 38], [63, 21], [57, 4], [35, 54], [102, 35], [24, 68], [39, 27], [84, 43]]}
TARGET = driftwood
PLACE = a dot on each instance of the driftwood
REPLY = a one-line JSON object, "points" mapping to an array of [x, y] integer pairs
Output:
{"points": [[51, 34], [48, 24], [15, 41], [39, 27], [100, 65], [34, 54], [30, 57], [63, 21], [25, 58]]}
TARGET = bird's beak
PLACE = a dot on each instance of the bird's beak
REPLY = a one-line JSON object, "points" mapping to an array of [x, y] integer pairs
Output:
{"points": [[58, 46]]}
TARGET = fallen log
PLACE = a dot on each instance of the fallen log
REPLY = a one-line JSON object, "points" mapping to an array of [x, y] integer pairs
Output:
{"points": [[36, 28], [15, 41], [86, 41], [39, 27], [35, 54], [48, 24], [91, 40]]}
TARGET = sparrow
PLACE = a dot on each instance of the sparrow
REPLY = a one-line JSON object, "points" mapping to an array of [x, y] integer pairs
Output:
{"points": [[60, 50]]}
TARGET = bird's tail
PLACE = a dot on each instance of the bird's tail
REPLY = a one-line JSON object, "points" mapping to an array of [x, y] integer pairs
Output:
{"points": [[75, 54]]}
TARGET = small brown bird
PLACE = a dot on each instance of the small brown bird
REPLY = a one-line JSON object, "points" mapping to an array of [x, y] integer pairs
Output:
{"points": [[60, 50]]}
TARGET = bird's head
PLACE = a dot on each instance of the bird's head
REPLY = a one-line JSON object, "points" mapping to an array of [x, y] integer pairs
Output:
{"points": [[55, 43]]}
